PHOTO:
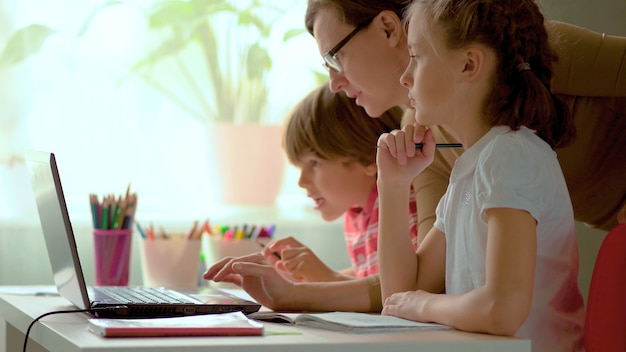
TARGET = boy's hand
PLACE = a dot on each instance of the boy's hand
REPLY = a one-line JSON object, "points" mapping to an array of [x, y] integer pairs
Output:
{"points": [[297, 262]]}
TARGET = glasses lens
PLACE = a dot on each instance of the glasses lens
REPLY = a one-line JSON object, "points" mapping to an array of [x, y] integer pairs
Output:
{"points": [[331, 63]]}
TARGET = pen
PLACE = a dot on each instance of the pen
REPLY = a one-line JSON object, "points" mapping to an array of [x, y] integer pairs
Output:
{"points": [[438, 145]]}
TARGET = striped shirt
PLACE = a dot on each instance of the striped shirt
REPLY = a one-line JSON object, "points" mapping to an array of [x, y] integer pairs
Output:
{"points": [[361, 233]]}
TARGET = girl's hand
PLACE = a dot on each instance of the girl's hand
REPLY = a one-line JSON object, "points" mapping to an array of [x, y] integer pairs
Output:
{"points": [[297, 262], [397, 158], [407, 305]]}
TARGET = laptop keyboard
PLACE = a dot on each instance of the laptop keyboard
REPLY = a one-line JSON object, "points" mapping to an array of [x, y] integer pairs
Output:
{"points": [[144, 295]]}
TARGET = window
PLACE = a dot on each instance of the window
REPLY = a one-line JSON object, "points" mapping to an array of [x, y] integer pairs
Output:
{"points": [[108, 126]]}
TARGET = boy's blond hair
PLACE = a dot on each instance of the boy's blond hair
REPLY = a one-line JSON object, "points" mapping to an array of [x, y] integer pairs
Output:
{"points": [[332, 126]]}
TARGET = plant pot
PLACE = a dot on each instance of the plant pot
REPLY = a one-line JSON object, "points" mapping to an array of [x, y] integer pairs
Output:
{"points": [[246, 163]]}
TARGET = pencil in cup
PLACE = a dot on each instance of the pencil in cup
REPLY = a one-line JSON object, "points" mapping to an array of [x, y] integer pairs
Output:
{"points": [[112, 213], [112, 256]]}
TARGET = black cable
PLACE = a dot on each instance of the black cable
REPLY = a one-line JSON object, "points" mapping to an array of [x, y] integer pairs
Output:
{"points": [[90, 310]]}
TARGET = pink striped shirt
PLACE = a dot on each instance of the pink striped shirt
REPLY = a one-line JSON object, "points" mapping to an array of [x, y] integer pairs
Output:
{"points": [[361, 233]]}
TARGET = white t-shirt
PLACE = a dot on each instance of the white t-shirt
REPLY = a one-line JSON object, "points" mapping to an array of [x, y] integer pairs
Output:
{"points": [[516, 169]]}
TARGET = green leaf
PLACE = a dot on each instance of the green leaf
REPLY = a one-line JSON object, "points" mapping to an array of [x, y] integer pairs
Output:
{"points": [[248, 18], [24, 43], [177, 13], [94, 14], [293, 33], [320, 77], [259, 62], [171, 13], [169, 47]]}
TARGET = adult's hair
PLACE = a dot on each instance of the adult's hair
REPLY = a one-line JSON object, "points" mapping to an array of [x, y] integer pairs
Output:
{"points": [[352, 12], [333, 127], [515, 30]]}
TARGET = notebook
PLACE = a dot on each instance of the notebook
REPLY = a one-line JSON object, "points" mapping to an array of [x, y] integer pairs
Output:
{"points": [[349, 322], [107, 301]]}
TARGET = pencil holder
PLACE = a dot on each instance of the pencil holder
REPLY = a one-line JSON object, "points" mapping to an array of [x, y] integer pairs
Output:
{"points": [[171, 262], [112, 256]]}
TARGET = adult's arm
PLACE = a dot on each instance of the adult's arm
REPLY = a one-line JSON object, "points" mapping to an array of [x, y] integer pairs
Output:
{"points": [[261, 281], [590, 77], [590, 64]]}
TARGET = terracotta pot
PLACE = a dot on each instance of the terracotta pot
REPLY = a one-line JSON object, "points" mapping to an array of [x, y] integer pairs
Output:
{"points": [[247, 163]]}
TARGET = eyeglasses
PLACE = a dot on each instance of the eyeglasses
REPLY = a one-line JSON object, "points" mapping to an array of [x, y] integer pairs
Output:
{"points": [[331, 62]]}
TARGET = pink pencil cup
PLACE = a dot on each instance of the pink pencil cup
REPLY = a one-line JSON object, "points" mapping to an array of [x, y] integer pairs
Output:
{"points": [[171, 263], [112, 256]]}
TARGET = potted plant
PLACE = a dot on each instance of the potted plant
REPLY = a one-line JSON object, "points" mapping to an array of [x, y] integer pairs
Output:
{"points": [[228, 84], [217, 76]]}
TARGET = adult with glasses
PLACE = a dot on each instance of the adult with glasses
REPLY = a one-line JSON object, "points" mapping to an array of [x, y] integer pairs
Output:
{"points": [[365, 59], [364, 48]]}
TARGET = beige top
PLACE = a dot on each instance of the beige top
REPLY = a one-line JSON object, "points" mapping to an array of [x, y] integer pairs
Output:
{"points": [[591, 77]]}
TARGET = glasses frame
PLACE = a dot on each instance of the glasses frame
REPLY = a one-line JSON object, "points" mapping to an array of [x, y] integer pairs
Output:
{"points": [[331, 62]]}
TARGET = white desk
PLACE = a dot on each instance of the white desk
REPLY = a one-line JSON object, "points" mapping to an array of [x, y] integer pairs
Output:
{"points": [[68, 333]]}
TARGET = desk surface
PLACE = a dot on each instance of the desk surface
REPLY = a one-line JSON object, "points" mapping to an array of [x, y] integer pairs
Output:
{"points": [[68, 332]]}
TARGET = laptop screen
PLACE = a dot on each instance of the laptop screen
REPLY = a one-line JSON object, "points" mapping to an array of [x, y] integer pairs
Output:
{"points": [[57, 228]]}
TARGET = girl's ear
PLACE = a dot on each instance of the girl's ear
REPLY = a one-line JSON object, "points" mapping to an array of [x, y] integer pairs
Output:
{"points": [[391, 24], [474, 63]]}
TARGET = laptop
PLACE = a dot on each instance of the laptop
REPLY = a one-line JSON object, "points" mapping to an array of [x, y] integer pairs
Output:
{"points": [[107, 301]]}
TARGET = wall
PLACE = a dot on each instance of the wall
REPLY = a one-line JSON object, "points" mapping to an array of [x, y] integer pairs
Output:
{"points": [[608, 16], [605, 16], [24, 260]]}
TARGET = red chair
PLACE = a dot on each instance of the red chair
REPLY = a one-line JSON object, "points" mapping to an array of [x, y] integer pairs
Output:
{"points": [[605, 321]]}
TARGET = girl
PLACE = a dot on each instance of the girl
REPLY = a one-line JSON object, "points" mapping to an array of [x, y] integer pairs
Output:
{"points": [[503, 245]]}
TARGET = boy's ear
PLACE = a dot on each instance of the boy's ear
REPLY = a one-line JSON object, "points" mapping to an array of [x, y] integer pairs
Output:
{"points": [[371, 169], [391, 24]]}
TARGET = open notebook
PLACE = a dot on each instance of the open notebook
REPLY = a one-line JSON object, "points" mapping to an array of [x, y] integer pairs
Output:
{"points": [[109, 301], [349, 322]]}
